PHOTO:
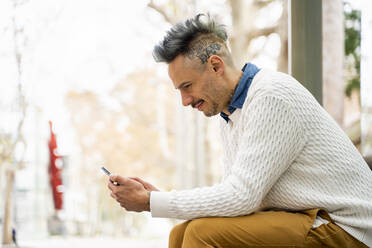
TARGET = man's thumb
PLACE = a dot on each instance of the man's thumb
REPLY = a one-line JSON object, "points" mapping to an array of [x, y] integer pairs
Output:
{"points": [[117, 178]]}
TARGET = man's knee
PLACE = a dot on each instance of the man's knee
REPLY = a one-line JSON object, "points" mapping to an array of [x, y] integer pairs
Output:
{"points": [[177, 230], [201, 230], [176, 234], [195, 233]]}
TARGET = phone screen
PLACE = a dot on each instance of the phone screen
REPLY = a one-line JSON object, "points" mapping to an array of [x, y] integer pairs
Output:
{"points": [[105, 171]]}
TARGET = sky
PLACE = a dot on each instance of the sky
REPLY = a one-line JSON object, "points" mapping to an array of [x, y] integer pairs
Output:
{"points": [[82, 45], [73, 45]]}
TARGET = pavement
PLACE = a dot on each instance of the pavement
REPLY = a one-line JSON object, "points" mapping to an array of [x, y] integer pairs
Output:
{"points": [[95, 242]]}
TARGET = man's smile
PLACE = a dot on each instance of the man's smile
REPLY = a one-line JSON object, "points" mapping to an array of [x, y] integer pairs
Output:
{"points": [[198, 104]]}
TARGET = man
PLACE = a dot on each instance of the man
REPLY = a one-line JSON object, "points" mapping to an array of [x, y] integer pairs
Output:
{"points": [[292, 178]]}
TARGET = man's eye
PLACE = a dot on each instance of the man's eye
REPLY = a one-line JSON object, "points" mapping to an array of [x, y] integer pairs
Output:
{"points": [[187, 86]]}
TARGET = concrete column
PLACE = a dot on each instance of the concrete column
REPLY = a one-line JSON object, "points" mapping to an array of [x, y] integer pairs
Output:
{"points": [[305, 44]]}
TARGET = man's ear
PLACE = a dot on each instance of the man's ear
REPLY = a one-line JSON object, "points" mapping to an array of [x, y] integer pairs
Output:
{"points": [[217, 64]]}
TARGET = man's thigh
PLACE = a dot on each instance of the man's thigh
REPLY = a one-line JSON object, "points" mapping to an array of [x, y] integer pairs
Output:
{"points": [[261, 229]]}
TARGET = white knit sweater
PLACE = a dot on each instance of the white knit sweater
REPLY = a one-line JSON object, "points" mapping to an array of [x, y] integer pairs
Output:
{"points": [[281, 150]]}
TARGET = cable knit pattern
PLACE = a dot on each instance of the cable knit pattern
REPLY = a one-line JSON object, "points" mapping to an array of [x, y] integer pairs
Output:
{"points": [[283, 151]]}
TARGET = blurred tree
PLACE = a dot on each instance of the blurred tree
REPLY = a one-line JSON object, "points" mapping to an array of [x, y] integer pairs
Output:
{"points": [[13, 145], [352, 53], [333, 59], [352, 48], [131, 140], [244, 16]]}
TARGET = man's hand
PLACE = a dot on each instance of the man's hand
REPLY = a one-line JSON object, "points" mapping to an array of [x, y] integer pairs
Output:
{"points": [[130, 193], [145, 184]]}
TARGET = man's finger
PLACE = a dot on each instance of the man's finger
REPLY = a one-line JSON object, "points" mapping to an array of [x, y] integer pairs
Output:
{"points": [[138, 180], [111, 186], [148, 186], [120, 180]]}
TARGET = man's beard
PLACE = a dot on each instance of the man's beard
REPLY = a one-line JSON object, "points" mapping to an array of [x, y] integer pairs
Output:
{"points": [[217, 93], [214, 110]]}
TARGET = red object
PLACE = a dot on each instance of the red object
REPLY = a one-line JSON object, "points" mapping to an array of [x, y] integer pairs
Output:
{"points": [[55, 170]]}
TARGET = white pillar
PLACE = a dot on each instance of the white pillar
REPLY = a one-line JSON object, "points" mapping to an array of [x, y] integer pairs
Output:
{"points": [[366, 78], [333, 59]]}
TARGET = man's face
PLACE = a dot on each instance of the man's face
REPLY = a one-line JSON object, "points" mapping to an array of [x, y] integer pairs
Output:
{"points": [[203, 89]]}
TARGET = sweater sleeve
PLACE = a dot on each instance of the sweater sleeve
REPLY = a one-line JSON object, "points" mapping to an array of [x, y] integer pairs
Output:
{"points": [[270, 140]]}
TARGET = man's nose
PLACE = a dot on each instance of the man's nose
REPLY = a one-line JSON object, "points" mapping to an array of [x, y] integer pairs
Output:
{"points": [[186, 99]]}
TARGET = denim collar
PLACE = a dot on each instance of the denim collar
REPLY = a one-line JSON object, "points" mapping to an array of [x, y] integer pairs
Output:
{"points": [[240, 93]]}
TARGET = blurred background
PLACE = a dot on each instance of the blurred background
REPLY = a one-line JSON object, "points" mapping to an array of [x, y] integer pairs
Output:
{"points": [[79, 89]]}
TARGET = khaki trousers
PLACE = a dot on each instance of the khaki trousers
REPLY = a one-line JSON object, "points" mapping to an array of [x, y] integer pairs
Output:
{"points": [[262, 229]]}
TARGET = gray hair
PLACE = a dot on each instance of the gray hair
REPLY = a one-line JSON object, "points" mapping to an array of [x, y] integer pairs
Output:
{"points": [[196, 37]]}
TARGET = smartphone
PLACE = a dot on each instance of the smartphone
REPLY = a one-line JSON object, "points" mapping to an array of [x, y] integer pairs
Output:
{"points": [[108, 173]]}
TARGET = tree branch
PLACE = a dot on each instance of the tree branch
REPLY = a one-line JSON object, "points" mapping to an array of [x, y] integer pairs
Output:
{"points": [[161, 11], [17, 32], [255, 54], [262, 32], [262, 4], [253, 34]]}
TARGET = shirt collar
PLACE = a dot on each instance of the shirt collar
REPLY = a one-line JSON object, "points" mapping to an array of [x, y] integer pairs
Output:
{"points": [[240, 93]]}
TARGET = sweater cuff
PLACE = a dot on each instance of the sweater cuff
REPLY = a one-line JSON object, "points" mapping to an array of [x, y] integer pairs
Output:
{"points": [[159, 204]]}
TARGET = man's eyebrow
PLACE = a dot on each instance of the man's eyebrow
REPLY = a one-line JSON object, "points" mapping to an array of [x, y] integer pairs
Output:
{"points": [[182, 84]]}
